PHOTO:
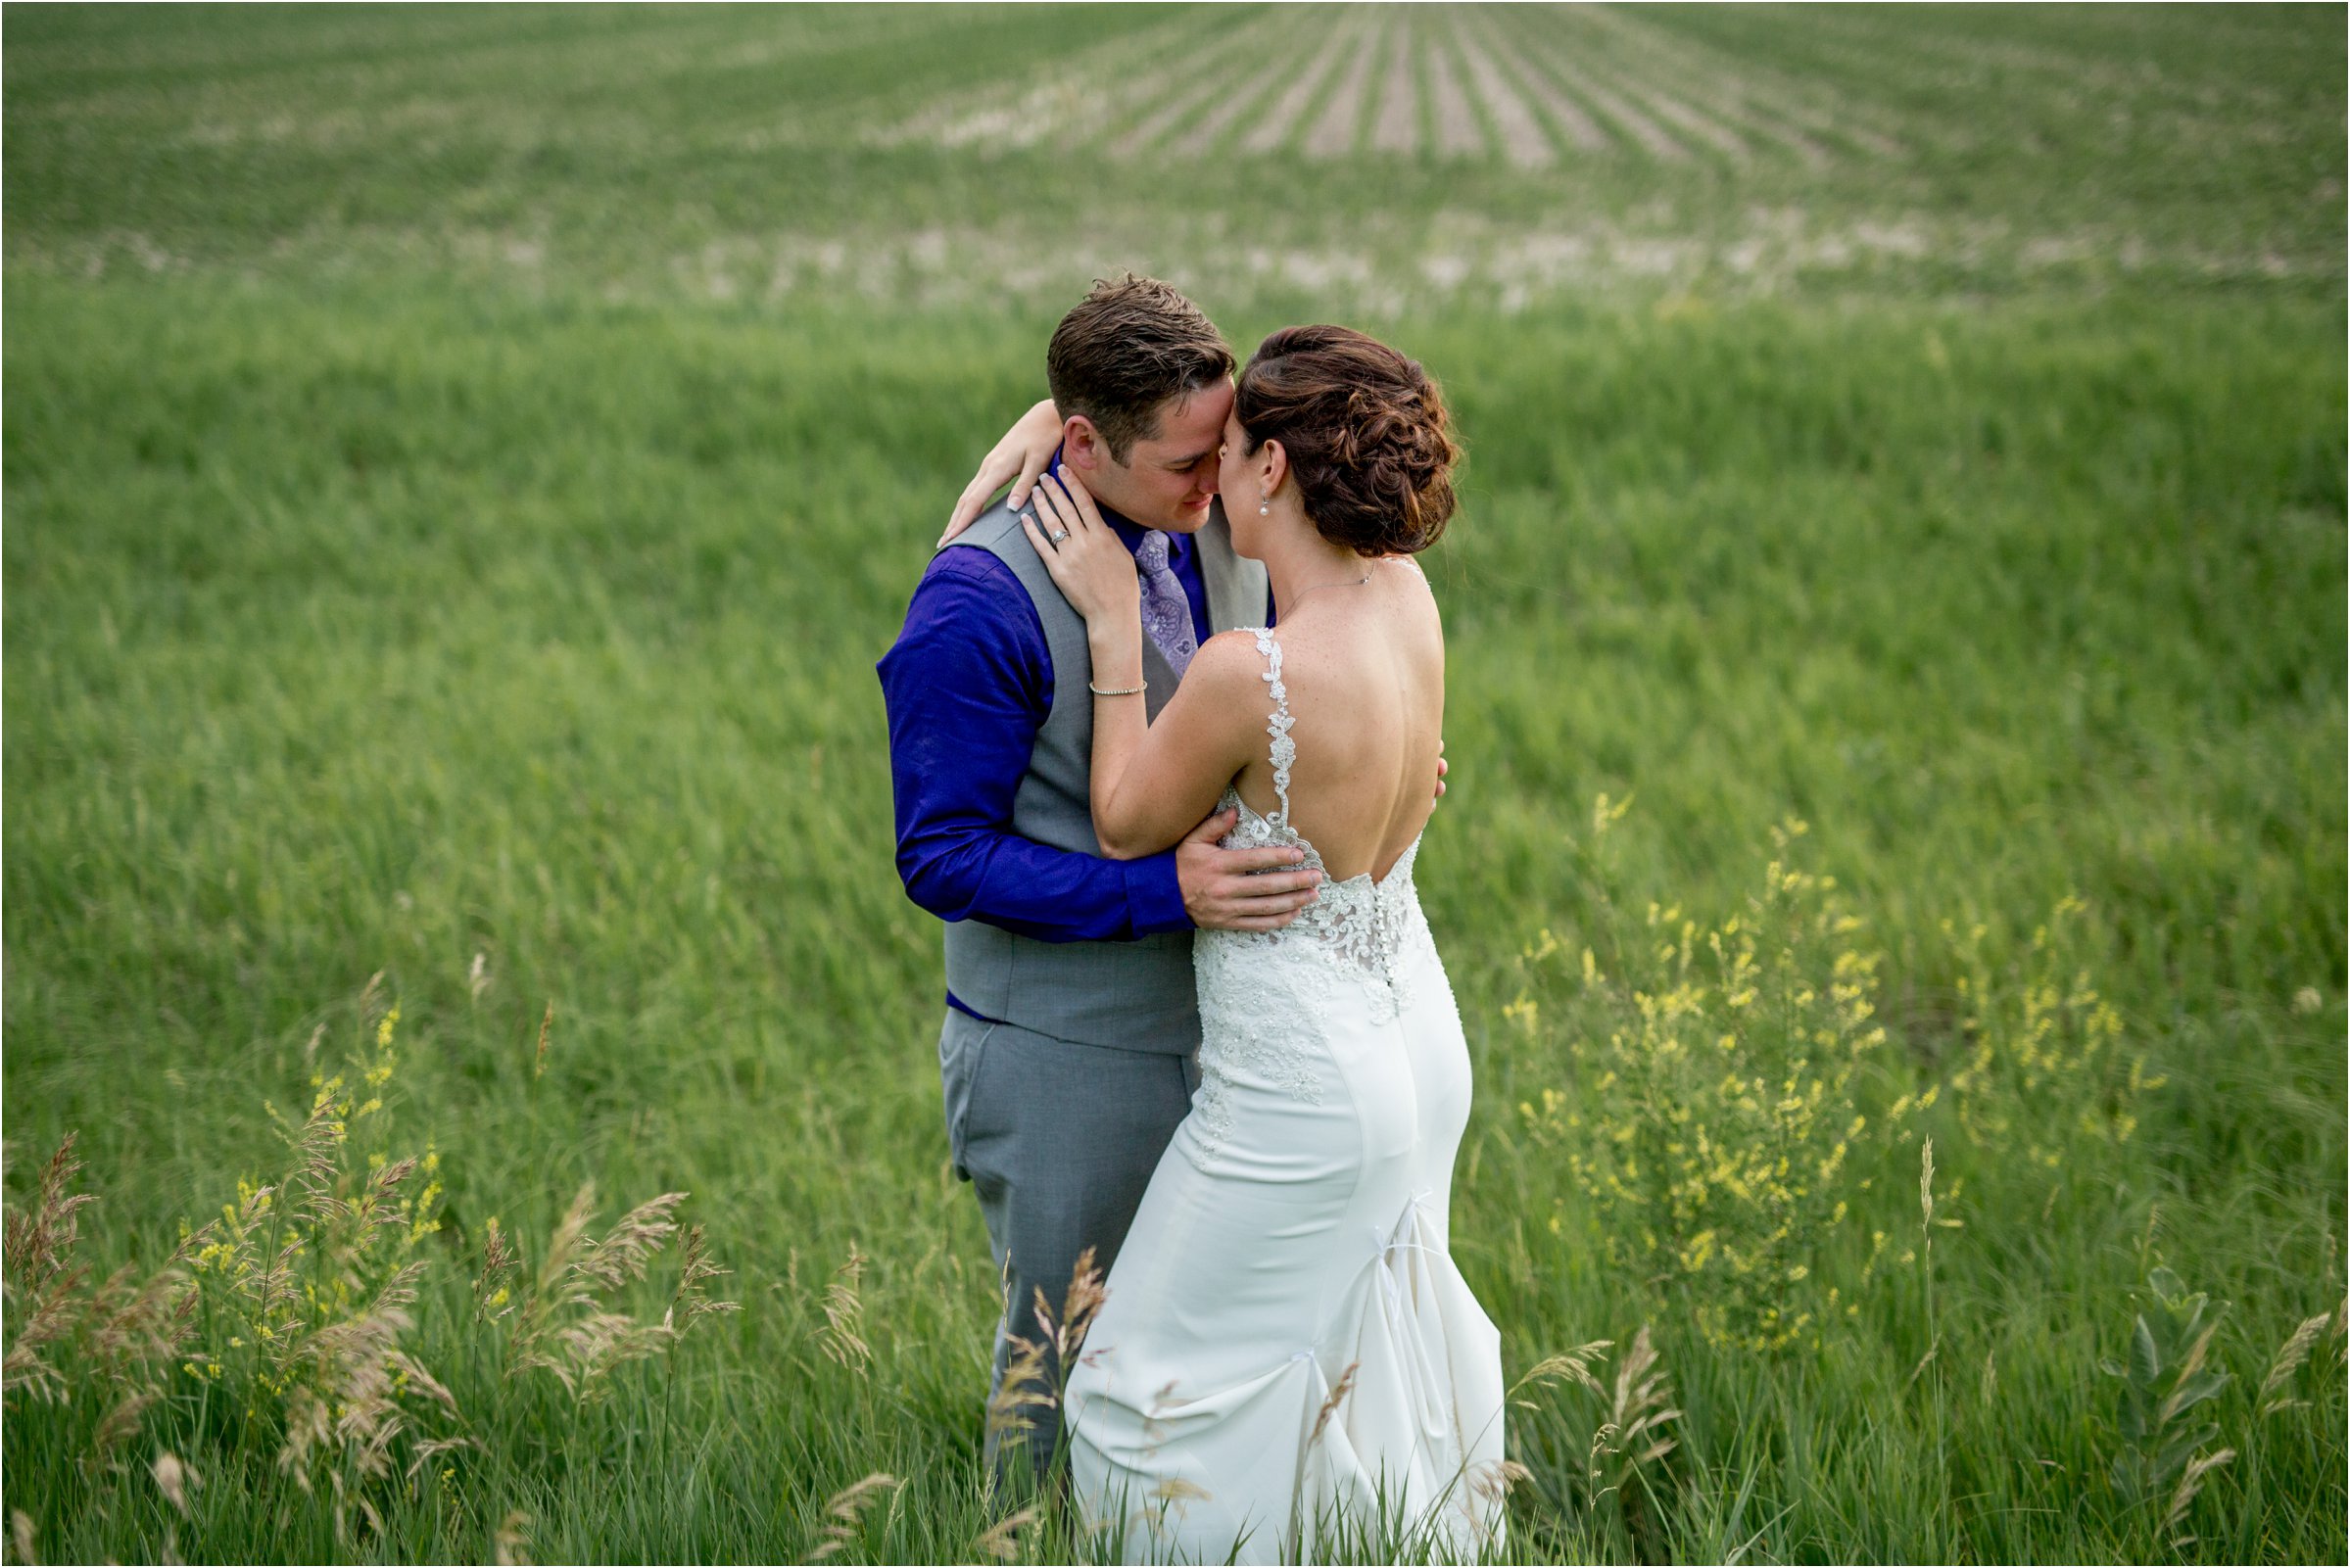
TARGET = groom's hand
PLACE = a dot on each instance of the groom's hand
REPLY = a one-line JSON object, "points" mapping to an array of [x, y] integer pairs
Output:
{"points": [[1240, 890]]}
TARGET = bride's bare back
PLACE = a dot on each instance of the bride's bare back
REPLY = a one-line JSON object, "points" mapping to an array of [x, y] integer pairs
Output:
{"points": [[1365, 671]]}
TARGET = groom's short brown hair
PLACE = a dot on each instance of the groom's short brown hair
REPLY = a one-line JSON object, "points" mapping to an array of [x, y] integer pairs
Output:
{"points": [[1131, 343]]}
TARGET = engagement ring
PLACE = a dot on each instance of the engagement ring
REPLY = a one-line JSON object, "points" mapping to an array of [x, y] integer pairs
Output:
{"points": [[1058, 535]]}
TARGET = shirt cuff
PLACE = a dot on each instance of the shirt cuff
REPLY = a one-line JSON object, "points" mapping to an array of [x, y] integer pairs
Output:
{"points": [[1155, 895]]}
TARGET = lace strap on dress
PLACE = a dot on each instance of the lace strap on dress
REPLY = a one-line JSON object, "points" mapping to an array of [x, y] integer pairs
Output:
{"points": [[1284, 749]]}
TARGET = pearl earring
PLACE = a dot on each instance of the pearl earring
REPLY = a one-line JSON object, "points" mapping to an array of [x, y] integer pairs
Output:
{"points": [[1265, 508]]}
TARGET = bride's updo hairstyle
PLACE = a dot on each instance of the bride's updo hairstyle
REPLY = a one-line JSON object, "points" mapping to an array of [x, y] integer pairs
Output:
{"points": [[1369, 441]]}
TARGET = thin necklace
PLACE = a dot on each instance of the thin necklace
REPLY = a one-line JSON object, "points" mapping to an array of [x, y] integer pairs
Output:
{"points": [[1318, 587]]}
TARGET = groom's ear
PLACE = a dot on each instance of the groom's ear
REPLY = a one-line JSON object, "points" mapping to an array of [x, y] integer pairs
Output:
{"points": [[1081, 445]]}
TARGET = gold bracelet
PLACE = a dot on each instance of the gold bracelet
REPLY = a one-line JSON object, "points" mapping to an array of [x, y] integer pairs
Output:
{"points": [[1121, 692]]}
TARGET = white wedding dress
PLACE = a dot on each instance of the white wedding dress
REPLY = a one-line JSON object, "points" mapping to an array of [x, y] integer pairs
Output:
{"points": [[1288, 1366]]}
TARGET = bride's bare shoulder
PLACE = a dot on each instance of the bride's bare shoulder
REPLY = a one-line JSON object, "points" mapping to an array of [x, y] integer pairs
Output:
{"points": [[1236, 646], [1407, 571], [1410, 597], [1227, 662]]}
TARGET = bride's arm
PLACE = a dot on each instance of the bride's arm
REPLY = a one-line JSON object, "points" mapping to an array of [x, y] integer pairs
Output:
{"points": [[1020, 458], [1152, 783]]}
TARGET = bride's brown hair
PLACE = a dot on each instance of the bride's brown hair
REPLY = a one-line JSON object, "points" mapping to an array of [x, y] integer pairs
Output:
{"points": [[1366, 432]]}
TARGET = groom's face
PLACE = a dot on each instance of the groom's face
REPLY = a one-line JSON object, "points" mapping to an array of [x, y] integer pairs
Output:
{"points": [[1168, 478]]}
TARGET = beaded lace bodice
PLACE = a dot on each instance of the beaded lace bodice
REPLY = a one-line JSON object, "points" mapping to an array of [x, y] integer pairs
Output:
{"points": [[1266, 997]]}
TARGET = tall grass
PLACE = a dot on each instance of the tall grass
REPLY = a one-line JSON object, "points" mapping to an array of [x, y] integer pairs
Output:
{"points": [[547, 686], [382, 600]]}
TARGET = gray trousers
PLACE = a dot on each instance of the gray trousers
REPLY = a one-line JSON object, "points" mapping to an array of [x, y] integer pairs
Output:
{"points": [[1059, 1141]]}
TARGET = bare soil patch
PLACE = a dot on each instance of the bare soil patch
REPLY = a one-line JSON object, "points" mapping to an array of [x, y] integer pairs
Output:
{"points": [[1177, 117], [1238, 101], [1522, 140], [1578, 127], [1755, 99], [1333, 134], [1016, 114], [1669, 107], [1397, 130], [1639, 126], [1274, 129], [1458, 133]]}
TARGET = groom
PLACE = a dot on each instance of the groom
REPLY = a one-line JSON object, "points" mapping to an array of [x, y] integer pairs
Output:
{"points": [[1070, 1024]]}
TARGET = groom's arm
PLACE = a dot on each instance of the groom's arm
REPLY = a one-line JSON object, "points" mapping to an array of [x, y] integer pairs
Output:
{"points": [[969, 684]]}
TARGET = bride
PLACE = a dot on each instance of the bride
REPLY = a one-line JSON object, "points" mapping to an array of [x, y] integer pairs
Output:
{"points": [[1288, 1364]]}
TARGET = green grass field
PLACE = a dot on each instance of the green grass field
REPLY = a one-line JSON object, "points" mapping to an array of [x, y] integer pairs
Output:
{"points": [[461, 465]]}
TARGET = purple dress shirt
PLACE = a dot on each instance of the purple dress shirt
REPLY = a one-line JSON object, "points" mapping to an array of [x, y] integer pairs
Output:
{"points": [[968, 685]]}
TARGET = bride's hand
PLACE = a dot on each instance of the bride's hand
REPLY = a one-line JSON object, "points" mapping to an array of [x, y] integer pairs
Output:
{"points": [[1089, 563], [1020, 458]]}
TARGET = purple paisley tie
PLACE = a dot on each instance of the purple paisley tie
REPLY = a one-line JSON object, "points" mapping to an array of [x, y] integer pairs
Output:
{"points": [[1166, 612]]}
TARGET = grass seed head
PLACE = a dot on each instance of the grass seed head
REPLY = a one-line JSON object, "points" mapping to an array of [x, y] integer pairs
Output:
{"points": [[38, 1247], [842, 1336], [174, 1479], [2191, 1482], [1337, 1396], [1000, 1540], [509, 1546], [692, 1301], [2291, 1355], [845, 1509]]}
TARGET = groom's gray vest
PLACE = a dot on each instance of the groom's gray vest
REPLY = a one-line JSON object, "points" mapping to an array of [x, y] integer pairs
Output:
{"points": [[1136, 995]]}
